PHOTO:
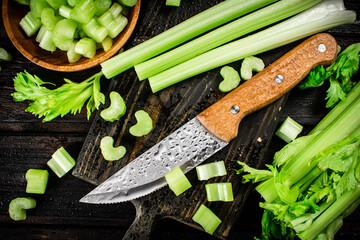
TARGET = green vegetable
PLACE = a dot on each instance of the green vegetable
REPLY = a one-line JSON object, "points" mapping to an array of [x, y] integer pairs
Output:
{"points": [[72, 3], [30, 24], [116, 109], [175, 3], [115, 10], [231, 79], [72, 55], [50, 104], [83, 11], [207, 219], [37, 180], [102, 6], [219, 192], [339, 74], [64, 33], [177, 181], [61, 162], [128, 3], [23, 2], [192, 27], [47, 42], [210, 170], [249, 65], [107, 43], [143, 126], [18, 207], [65, 11], [48, 18], [36, 7], [316, 19], [86, 47], [289, 130], [95, 31], [5, 55], [315, 180], [113, 25], [56, 4], [109, 152]]}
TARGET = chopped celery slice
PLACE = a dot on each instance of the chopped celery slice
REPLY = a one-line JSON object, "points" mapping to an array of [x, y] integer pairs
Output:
{"points": [[128, 3], [207, 219], [143, 126], [83, 11], [23, 2], [113, 25], [109, 152], [86, 47], [116, 109], [37, 180], [231, 79], [18, 207], [56, 4], [249, 65], [5, 55], [36, 7], [72, 3], [30, 24], [63, 34], [61, 162], [65, 11], [219, 192], [177, 181], [102, 6], [175, 3], [72, 55], [40, 34], [210, 170], [115, 10], [107, 43], [47, 43], [94, 30], [48, 18], [289, 130]]}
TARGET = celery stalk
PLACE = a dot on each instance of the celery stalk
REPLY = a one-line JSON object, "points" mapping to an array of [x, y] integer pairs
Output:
{"points": [[190, 28], [207, 219], [289, 130], [128, 3], [177, 181], [175, 3], [323, 16], [210, 170], [37, 180], [61, 162], [219, 192], [222, 35], [30, 24]]}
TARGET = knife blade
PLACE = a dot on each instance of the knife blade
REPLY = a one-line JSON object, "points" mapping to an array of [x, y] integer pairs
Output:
{"points": [[211, 130]]}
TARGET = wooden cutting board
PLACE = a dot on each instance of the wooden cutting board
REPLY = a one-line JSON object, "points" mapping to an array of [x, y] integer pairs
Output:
{"points": [[170, 109]]}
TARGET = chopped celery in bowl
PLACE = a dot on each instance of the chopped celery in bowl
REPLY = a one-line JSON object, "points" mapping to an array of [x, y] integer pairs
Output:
{"points": [[45, 53]]}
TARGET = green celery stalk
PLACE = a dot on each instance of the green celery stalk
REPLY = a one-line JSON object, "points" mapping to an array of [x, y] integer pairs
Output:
{"points": [[61, 162], [240, 27], [83, 11], [190, 28], [177, 181], [210, 170], [5, 55], [36, 7], [128, 3], [289, 130], [316, 19], [18, 207], [56, 4], [46, 42], [30, 24], [207, 219], [219, 192], [37, 180], [175, 3]]}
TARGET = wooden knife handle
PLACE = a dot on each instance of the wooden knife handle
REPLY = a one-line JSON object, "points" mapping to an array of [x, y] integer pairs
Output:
{"points": [[223, 118]]}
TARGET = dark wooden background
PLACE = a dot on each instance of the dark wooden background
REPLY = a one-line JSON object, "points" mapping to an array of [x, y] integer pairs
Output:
{"points": [[26, 142]]}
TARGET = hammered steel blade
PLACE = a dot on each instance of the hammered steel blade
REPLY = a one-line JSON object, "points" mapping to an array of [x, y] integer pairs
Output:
{"points": [[187, 147]]}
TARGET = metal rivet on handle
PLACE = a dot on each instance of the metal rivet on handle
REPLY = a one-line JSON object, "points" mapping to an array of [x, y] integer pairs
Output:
{"points": [[279, 78], [322, 47], [235, 109]]}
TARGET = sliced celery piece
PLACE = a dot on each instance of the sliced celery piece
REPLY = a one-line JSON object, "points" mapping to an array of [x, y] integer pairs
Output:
{"points": [[47, 43], [63, 34], [249, 65], [95, 31], [109, 152], [115, 10], [56, 4], [37, 180], [113, 25], [30, 24], [61, 162], [102, 6], [83, 11], [207, 219], [18, 207], [231, 79], [174, 3], [23, 2], [36, 7], [65, 11], [72, 3], [128, 3], [316, 19], [177, 181], [116, 109], [219, 192], [192, 27], [86, 47], [5, 55], [210, 170], [143, 126], [107, 43], [48, 18], [72, 55], [289, 130]]}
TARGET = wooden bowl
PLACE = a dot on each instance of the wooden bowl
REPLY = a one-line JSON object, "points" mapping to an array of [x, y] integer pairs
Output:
{"points": [[12, 13]]}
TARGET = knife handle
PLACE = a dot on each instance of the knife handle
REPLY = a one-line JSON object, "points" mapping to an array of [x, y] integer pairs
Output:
{"points": [[223, 118]]}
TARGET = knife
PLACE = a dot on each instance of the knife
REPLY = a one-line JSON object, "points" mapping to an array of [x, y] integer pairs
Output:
{"points": [[215, 127]]}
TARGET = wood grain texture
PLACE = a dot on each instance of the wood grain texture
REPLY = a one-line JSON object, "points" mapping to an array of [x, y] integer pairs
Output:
{"points": [[263, 88], [12, 14]]}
